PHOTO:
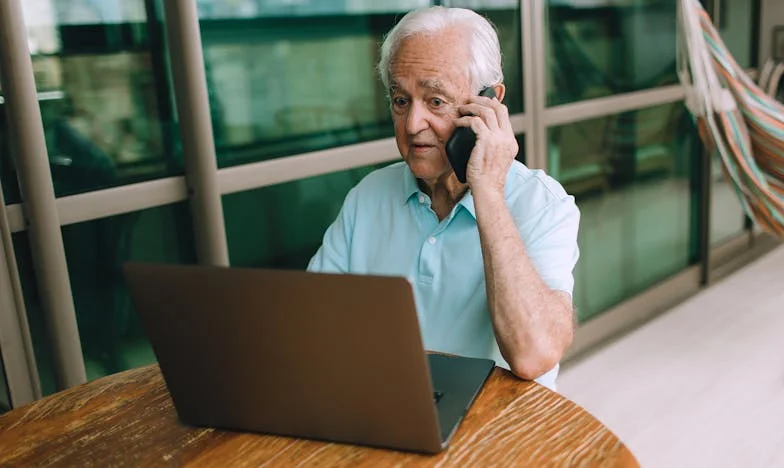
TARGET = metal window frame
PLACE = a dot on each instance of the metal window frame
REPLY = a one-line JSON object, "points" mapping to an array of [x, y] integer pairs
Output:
{"points": [[612, 105], [143, 195], [534, 80], [43, 227], [16, 344], [198, 144]]}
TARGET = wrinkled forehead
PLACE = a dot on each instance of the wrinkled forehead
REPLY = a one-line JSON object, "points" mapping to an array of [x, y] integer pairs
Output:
{"points": [[436, 61]]}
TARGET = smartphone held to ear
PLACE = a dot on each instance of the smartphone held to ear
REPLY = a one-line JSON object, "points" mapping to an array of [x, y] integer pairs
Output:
{"points": [[461, 144]]}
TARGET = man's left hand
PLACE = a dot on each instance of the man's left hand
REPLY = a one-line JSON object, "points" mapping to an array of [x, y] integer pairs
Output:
{"points": [[496, 145]]}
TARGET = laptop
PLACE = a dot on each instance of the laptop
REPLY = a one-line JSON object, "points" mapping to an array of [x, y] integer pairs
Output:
{"points": [[333, 357]]}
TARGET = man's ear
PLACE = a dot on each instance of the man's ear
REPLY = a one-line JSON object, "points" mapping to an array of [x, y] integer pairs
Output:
{"points": [[500, 91]]}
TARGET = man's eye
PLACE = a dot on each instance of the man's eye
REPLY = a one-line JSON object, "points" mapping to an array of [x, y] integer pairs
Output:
{"points": [[400, 102], [437, 102]]}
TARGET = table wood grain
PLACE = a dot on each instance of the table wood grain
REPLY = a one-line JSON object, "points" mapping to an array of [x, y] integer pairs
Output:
{"points": [[128, 419]]}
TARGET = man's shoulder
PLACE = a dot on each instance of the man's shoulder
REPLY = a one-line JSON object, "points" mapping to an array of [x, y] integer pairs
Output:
{"points": [[384, 181], [533, 186], [537, 200]]}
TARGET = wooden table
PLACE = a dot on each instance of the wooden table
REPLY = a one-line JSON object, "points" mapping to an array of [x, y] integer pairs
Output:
{"points": [[128, 419]]}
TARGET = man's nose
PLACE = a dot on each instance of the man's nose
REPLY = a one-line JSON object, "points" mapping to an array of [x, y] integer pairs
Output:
{"points": [[416, 121]]}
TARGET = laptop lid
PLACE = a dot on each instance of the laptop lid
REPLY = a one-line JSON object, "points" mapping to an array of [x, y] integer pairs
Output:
{"points": [[314, 355]]}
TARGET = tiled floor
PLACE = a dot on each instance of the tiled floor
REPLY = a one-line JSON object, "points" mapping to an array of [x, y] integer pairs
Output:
{"points": [[703, 384]]}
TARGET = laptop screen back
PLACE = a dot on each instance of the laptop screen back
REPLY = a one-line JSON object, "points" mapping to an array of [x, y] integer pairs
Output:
{"points": [[323, 356]]}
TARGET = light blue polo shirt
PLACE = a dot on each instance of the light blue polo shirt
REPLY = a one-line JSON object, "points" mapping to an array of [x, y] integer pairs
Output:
{"points": [[387, 227]]}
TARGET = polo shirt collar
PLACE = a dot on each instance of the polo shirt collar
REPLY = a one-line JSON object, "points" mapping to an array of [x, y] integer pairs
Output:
{"points": [[411, 189], [468, 203], [468, 199]]}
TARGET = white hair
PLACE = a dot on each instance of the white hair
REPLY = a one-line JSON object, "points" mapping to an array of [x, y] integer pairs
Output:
{"points": [[484, 65]]}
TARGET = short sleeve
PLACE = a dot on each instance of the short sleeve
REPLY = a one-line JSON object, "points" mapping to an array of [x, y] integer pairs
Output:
{"points": [[551, 243], [334, 254]]}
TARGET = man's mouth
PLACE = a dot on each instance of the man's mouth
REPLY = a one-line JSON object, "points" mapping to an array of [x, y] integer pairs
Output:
{"points": [[421, 149]]}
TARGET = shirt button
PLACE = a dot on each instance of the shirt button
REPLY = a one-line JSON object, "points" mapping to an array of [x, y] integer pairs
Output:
{"points": [[431, 240], [422, 199]]}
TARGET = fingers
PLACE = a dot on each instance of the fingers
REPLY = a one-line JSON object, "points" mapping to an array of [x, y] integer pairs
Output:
{"points": [[475, 123], [500, 119], [481, 110]]}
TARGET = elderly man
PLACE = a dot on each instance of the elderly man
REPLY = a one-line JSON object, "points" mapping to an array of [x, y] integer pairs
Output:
{"points": [[491, 260]]}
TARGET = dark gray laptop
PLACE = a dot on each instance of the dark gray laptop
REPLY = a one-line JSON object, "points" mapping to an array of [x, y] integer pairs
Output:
{"points": [[313, 355]]}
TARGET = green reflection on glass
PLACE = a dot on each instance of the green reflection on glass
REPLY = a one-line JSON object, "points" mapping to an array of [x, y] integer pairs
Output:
{"points": [[602, 50], [7, 169], [111, 336], [281, 226], [105, 104], [35, 314], [106, 128], [507, 22], [632, 175], [520, 148], [292, 84]]}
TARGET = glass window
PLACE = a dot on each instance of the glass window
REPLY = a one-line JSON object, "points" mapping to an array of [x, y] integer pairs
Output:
{"points": [[301, 77], [35, 314], [632, 175], [112, 339], [7, 168], [111, 336], [102, 87], [521, 148], [602, 48], [281, 226]]}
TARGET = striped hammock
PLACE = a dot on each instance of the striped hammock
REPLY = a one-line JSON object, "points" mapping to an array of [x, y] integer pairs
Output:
{"points": [[736, 120]]}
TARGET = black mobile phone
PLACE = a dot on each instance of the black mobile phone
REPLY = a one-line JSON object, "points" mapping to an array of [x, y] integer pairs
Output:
{"points": [[461, 144]]}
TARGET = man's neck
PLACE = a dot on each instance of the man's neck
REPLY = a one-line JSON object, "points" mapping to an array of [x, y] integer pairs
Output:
{"points": [[444, 193]]}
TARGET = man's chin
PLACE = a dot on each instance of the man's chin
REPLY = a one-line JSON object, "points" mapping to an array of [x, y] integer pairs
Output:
{"points": [[428, 171]]}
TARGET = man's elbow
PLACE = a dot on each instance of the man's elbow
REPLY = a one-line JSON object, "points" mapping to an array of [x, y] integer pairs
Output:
{"points": [[533, 367], [539, 360]]}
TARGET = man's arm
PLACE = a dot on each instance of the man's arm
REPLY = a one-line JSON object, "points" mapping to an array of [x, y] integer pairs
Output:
{"points": [[533, 323]]}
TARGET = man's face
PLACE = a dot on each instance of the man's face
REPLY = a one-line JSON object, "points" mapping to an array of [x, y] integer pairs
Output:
{"points": [[428, 81]]}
